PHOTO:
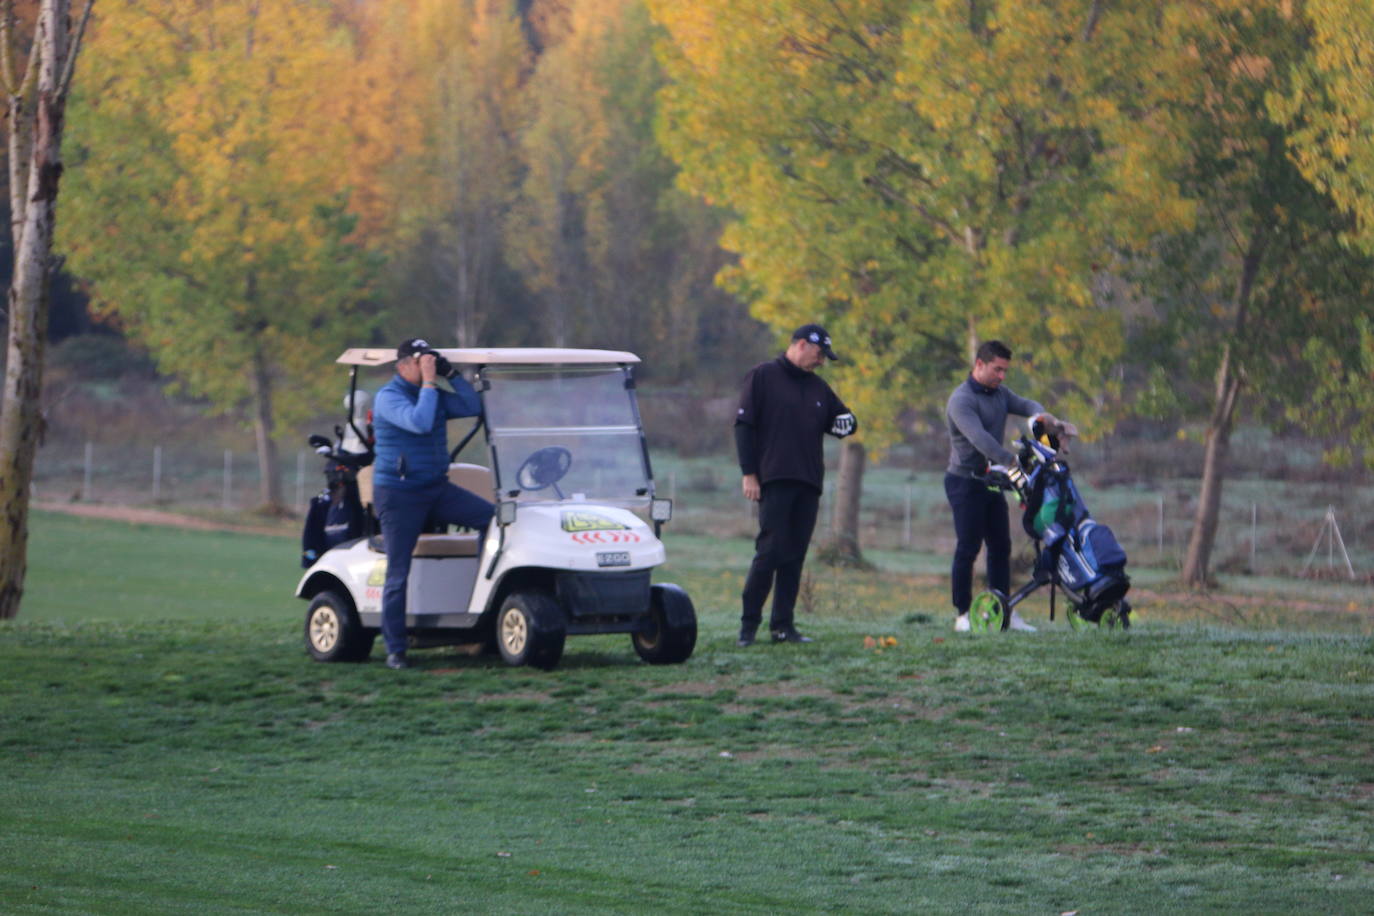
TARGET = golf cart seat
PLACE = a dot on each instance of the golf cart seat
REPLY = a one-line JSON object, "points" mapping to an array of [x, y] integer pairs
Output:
{"points": [[471, 477]]}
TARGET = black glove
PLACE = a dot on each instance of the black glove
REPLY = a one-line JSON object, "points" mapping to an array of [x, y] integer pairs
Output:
{"points": [[443, 367]]}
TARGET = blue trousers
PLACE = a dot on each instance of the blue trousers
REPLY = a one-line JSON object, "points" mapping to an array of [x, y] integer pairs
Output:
{"points": [[404, 514], [980, 517]]}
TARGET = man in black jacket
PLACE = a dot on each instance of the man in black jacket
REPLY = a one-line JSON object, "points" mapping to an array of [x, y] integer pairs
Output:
{"points": [[784, 410]]}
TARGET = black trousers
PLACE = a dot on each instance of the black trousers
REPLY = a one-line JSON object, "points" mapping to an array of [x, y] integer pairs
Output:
{"points": [[980, 516], [787, 516]]}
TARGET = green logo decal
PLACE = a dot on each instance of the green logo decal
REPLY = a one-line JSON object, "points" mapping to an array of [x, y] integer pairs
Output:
{"points": [[582, 520]]}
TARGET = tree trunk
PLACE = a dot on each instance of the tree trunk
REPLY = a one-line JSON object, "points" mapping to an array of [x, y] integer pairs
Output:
{"points": [[1230, 380], [35, 124], [269, 470], [1196, 563], [844, 548]]}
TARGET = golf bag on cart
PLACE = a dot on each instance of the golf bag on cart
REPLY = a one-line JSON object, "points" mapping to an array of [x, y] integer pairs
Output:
{"points": [[1073, 551], [336, 513]]}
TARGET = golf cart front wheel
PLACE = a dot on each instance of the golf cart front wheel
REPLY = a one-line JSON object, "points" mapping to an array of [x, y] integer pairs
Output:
{"points": [[989, 612], [530, 629], [670, 632], [333, 632]]}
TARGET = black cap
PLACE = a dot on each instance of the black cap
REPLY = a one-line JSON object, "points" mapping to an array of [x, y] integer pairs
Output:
{"points": [[818, 336], [413, 346]]}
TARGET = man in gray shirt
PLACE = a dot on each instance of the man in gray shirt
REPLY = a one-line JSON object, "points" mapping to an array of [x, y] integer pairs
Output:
{"points": [[977, 417]]}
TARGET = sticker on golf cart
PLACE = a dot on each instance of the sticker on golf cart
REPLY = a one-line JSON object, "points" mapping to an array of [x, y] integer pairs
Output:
{"points": [[582, 520], [605, 537]]}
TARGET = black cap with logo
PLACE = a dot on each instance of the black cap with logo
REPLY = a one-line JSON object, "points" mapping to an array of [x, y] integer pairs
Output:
{"points": [[816, 335], [413, 346]]}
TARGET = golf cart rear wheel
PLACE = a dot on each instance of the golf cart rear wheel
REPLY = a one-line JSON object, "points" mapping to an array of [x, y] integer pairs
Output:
{"points": [[333, 632], [989, 612], [671, 631], [530, 629]]}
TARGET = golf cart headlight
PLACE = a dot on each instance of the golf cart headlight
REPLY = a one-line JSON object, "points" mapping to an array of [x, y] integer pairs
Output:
{"points": [[661, 510], [505, 512]]}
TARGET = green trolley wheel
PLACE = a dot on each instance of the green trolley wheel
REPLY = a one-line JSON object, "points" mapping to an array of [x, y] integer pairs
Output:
{"points": [[989, 612]]}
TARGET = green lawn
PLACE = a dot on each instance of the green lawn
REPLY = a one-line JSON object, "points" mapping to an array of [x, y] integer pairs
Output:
{"points": [[169, 748]]}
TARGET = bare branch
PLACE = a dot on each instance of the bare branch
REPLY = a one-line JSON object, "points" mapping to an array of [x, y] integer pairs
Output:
{"points": [[891, 194], [1090, 27], [73, 48]]}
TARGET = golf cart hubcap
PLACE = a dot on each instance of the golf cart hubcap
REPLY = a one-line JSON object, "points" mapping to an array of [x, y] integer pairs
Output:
{"points": [[324, 629], [514, 632]]}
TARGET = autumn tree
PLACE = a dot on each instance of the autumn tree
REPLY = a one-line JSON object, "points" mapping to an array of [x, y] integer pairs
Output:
{"points": [[36, 118], [213, 225], [467, 63], [616, 255], [1260, 275], [921, 176], [1330, 111]]}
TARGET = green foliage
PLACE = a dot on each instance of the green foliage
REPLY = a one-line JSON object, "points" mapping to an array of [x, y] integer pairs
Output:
{"points": [[921, 178], [1341, 398], [203, 210]]}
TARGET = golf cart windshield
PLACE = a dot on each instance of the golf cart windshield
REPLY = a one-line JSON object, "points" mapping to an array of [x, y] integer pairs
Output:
{"points": [[566, 432]]}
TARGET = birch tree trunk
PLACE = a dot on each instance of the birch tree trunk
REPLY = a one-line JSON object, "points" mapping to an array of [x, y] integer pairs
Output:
{"points": [[36, 108]]}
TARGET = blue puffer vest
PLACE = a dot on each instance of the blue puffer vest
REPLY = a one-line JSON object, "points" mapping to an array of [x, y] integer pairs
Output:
{"points": [[410, 425]]}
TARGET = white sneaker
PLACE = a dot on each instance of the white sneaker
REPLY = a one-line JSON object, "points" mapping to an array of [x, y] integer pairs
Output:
{"points": [[961, 623], [1018, 624]]}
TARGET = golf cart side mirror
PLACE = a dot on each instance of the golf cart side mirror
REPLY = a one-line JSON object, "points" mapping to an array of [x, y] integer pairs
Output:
{"points": [[661, 510], [505, 512]]}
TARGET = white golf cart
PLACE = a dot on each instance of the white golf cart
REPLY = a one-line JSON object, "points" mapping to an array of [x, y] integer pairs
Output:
{"points": [[565, 554]]}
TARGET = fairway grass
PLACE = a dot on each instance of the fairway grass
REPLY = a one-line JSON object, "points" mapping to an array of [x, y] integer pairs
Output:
{"points": [[195, 760]]}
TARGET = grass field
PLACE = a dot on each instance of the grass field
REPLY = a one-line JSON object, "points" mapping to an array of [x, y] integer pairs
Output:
{"points": [[169, 748]]}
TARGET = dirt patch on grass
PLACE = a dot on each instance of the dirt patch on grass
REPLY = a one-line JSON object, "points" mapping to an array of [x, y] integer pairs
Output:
{"points": [[138, 516]]}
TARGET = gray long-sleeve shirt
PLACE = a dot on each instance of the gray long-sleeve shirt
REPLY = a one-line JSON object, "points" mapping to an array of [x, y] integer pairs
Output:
{"points": [[977, 419]]}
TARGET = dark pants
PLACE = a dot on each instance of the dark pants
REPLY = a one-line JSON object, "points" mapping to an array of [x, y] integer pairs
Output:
{"points": [[787, 516], [404, 514], [980, 516]]}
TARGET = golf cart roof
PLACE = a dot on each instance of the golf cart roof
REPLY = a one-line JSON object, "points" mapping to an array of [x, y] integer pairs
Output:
{"points": [[497, 356]]}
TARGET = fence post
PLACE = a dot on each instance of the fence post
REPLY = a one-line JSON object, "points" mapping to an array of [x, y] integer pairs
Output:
{"points": [[300, 480], [157, 473], [86, 474], [1254, 528], [906, 519], [228, 477], [1159, 528]]}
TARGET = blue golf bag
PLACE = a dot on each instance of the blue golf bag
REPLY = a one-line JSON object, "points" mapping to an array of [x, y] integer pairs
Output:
{"points": [[1073, 551]]}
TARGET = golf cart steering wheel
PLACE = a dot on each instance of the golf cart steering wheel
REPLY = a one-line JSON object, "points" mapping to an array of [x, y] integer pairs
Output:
{"points": [[544, 468]]}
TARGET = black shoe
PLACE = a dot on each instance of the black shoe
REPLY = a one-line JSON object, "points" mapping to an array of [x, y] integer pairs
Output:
{"points": [[746, 638], [397, 660], [789, 634]]}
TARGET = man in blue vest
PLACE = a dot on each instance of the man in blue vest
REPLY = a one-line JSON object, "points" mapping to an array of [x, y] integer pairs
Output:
{"points": [[410, 485]]}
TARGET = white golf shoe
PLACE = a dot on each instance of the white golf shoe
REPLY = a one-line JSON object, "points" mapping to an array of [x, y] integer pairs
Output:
{"points": [[1016, 623], [961, 623]]}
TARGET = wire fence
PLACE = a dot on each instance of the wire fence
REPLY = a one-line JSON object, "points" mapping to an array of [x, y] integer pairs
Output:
{"points": [[1265, 528]]}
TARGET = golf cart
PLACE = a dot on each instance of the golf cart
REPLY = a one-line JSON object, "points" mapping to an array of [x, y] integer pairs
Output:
{"points": [[565, 554]]}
